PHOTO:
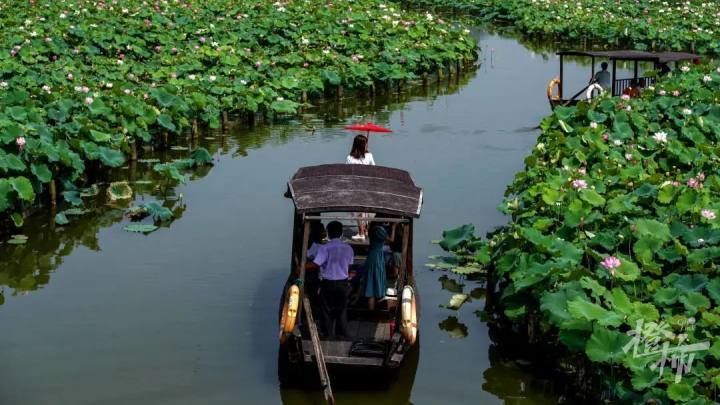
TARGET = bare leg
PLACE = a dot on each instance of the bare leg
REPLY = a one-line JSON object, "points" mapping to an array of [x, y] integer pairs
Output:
{"points": [[371, 303]]}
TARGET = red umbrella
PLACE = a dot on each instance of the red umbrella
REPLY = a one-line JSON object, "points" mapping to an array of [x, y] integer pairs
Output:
{"points": [[369, 127]]}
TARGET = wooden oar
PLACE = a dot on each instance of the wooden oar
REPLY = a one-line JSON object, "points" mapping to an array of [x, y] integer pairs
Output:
{"points": [[319, 357]]}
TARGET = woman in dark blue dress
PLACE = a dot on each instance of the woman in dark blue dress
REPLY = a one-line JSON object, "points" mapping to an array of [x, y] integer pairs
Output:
{"points": [[375, 277]]}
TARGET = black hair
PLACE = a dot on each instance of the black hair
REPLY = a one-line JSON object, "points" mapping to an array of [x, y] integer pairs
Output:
{"points": [[359, 147], [334, 229], [317, 231], [604, 65]]}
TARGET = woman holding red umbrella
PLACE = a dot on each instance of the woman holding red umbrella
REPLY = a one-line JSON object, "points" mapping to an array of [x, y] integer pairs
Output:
{"points": [[360, 155]]}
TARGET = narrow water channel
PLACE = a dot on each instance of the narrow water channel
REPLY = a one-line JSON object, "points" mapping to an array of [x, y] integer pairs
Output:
{"points": [[187, 314]]}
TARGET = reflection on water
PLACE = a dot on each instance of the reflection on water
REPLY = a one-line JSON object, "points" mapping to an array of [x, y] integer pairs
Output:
{"points": [[454, 328], [353, 389]]}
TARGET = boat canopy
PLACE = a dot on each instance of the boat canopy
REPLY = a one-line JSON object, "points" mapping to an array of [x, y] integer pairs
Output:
{"points": [[354, 188], [657, 57]]}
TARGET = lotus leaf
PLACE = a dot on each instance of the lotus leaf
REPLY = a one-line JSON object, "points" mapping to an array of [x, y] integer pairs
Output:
{"points": [[140, 228], [119, 190]]}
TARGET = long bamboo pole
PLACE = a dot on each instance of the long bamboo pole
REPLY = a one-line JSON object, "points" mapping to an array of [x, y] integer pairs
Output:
{"points": [[319, 356]]}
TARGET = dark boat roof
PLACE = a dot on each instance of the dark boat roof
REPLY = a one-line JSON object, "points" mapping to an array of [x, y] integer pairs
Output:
{"points": [[351, 188], [659, 57]]}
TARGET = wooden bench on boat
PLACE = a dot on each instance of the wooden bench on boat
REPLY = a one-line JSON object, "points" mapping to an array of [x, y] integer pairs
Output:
{"points": [[338, 192]]}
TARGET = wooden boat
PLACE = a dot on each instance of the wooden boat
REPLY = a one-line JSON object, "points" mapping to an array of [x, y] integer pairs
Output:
{"points": [[378, 340], [658, 59]]}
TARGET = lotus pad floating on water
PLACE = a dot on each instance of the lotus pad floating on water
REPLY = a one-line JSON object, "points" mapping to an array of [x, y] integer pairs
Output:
{"points": [[119, 190], [140, 228]]}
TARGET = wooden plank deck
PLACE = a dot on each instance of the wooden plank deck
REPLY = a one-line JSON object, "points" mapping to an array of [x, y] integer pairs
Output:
{"points": [[338, 352]]}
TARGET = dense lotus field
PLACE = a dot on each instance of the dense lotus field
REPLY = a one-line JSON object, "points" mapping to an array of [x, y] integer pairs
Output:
{"points": [[615, 236], [642, 24], [82, 83]]}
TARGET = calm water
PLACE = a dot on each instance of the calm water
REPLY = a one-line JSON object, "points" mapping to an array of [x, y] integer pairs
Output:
{"points": [[187, 314]]}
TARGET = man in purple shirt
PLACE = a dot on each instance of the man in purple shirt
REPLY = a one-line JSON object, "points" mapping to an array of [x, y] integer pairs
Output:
{"points": [[334, 260]]}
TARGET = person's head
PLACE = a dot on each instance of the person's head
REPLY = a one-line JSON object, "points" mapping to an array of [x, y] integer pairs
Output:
{"points": [[334, 229], [360, 147], [634, 83], [317, 232], [603, 66]]}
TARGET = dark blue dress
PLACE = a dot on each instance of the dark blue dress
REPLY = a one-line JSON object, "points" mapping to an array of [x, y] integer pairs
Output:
{"points": [[375, 264]]}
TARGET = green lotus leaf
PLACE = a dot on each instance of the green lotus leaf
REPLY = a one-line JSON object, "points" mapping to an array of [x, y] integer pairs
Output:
{"points": [[23, 188], [166, 122], [649, 228], [455, 238], [201, 156], [158, 212], [580, 308], [680, 392], [119, 190], [456, 301], [73, 197], [17, 219], [41, 172], [466, 270], [91, 191], [644, 378], [98, 136], [61, 219], [6, 196], [666, 296], [592, 197], [606, 346], [688, 282], [111, 157], [140, 228], [694, 302]]}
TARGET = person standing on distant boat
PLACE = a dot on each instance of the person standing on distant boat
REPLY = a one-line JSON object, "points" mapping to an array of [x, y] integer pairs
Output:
{"points": [[603, 77], [360, 155]]}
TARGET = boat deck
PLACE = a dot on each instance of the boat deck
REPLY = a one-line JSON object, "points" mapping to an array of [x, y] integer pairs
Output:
{"points": [[338, 351]]}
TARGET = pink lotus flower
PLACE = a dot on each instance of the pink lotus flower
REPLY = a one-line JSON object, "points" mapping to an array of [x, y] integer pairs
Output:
{"points": [[593, 125], [708, 214], [202, 39], [625, 97], [694, 183], [605, 137], [676, 93], [662, 92], [701, 176], [20, 141], [69, 76], [611, 263], [88, 100], [579, 184], [258, 64], [306, 64]]}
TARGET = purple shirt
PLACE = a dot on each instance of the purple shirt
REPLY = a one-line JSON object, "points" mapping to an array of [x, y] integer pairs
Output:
{"points": [[334, 259]]}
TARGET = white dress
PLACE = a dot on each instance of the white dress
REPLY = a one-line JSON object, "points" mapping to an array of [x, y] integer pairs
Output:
{"points": [[365, 160]]}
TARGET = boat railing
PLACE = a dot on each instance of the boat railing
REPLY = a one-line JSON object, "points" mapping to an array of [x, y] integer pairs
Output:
{"points": [[622, 84]]}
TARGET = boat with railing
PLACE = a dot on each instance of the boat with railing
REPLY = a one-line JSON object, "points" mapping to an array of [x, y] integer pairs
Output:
{"points": [[616, 86]]}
